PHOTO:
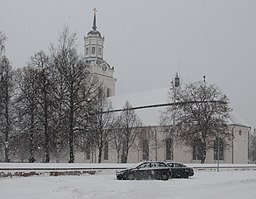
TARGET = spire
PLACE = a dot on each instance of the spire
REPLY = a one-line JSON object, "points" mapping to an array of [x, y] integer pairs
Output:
{"points": [[177, 81], [94, 27], [94, 30]]}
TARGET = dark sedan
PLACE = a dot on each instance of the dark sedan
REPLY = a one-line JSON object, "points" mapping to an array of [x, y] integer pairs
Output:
{"points": [[180, 170], [145, 170]]}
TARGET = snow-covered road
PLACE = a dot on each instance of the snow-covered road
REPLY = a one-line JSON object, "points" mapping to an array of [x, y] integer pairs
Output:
{"points": [[210, 185]]}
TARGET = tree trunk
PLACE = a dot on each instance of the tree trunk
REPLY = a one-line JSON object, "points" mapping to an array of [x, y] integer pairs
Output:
{"points": [[31, 137], [71, 132], [31, 148], [7, 120], [203, 153], [71, 139], [100, 154], [7, 129], [46, 133], [118, 156]]}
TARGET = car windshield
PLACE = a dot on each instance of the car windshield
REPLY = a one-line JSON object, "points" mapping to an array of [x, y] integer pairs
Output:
{"points": [[138, 164]]}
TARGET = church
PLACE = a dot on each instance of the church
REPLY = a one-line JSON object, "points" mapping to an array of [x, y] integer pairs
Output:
{"points": [[157, 145]]}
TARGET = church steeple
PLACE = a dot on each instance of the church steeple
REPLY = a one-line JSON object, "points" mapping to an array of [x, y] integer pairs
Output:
{"points": [[94, 27], [94, 41], [94, 30], [93, 54]]}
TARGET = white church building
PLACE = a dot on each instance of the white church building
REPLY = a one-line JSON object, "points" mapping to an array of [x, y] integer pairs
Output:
{"points": [[159, 145]]}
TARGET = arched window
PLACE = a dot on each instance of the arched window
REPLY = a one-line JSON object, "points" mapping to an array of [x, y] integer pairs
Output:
{"points": [[169, 149], [105, 156], [108, 92], [218, 149], [93, 50], [196, 153], [145, 150], [88, 152]]}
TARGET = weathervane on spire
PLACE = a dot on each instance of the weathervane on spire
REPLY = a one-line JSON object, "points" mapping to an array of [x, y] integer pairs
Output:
{"points": [[94, 27], [94, 11]]}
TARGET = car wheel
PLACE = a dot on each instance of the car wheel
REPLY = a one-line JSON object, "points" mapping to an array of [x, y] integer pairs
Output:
{"points": [[164, 177], [131, 176]]}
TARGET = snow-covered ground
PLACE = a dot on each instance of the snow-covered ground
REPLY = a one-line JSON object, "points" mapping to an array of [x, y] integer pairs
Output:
{"points": [[203, 185]]}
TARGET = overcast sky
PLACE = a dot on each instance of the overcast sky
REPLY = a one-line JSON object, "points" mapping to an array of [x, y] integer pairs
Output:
{"points": [[148, 41]]}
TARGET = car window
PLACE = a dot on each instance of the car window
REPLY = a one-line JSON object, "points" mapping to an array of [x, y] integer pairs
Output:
{"points": [[179, 165], [144, 165], [171, 164], [176, 165], [161, 164], [158, 164], [154, 164]]}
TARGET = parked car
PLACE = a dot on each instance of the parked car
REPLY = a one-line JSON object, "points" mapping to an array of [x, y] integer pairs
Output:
{"points": [[180, 170], [145, 170]]}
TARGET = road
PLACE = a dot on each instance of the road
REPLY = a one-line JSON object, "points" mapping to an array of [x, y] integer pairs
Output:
{"points": [[221, 185]]}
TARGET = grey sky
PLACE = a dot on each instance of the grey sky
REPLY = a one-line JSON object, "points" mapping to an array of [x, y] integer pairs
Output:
{"points": [[147, 39]]}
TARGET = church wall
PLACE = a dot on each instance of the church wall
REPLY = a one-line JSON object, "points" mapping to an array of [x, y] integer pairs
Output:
{"points": [[108, 83], [181, 153], [98, 70], [106, 77], [240, 146]]}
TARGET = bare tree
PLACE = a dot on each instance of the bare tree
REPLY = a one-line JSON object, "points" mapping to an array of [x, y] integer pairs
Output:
{"points": [[117, 137], [2, 45], [130, 126], [76, 82], [103, 122], [6, 90], [40, 61], [26, 104], [201, 113]]}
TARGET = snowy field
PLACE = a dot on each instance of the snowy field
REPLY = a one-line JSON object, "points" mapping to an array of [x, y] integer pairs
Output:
{"points": [[203, 185]]}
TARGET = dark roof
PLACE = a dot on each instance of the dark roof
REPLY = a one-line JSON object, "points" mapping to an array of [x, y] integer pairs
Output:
{"points": [[94, 32]]}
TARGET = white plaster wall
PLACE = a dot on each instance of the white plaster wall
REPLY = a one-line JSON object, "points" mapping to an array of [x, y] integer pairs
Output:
{"points": [[181, 153], [240, 145], [106, 77]]}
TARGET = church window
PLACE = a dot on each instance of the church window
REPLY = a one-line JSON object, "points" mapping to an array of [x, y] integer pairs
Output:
{"points": [[169, 149], [88, 152], [196, 152], [93, 50], [105, 151], [108, 92], [218, 149], [145, 150]]}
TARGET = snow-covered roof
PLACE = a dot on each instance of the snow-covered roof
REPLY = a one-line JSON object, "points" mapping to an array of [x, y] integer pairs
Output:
{"points": [[151, 116], [235, 119]]}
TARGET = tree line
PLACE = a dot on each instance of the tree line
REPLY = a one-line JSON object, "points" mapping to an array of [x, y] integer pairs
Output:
{"points": [[54, 105]]}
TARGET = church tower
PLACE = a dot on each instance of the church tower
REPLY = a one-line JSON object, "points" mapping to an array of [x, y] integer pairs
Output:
{"points": [[93, 53]]}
